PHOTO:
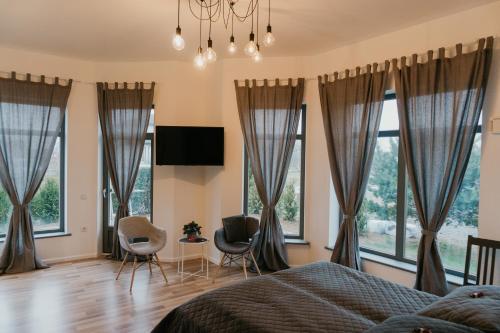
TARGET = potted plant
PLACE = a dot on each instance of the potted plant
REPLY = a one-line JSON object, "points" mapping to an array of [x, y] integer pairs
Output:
{"points": [[192, 231]]}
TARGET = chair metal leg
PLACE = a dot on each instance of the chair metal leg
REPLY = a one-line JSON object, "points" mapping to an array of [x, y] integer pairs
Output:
{"points": [[149, 264], [133, 273], [255, 262], [244, 266], [219, 267], [122, 265], [161, 268]]}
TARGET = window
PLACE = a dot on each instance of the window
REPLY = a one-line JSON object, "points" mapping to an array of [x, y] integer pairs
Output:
{"points": [[291, 205], [47, 207], [141, 199], [388, 223]]}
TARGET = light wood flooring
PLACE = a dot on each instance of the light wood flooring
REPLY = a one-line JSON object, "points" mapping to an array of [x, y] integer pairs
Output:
{"points": [[83, 296]]}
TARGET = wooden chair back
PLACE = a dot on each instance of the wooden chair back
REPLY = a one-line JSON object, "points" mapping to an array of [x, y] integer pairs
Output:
{"points": [[485, 264]]}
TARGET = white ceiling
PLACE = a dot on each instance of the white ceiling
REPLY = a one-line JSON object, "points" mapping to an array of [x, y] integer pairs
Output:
{"points": [[119, 30]]}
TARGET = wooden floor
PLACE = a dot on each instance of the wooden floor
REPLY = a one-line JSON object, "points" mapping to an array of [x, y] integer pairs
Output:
{"points": [[84, 297]]}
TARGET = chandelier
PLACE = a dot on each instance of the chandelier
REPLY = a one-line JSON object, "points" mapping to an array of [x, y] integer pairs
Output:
{"points": [[211, 11]]}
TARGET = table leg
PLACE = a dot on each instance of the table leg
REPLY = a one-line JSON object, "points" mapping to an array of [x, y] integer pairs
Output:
{"points": [[208, 264], [202, 246], [182, 264], [178, 260]]}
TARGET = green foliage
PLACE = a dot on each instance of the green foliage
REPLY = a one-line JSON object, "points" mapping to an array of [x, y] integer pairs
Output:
{"points": [[382, 189], [140, 200], [465, 209], [383, 184], [288, 206], [191, 228], [45, 204], [254, 203], [5, 206]]}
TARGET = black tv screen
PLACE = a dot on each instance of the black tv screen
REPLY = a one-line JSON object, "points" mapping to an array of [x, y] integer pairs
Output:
{"points": [[189, 145]]}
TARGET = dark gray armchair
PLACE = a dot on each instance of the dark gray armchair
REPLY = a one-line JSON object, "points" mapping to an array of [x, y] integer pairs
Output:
{"points": [[237, 239]]}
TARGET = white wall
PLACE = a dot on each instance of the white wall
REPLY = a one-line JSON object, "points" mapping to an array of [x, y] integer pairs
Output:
{"points": [[184, 96]]}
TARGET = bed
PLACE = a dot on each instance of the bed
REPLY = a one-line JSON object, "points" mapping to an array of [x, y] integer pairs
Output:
{"points": [[320, 297]]}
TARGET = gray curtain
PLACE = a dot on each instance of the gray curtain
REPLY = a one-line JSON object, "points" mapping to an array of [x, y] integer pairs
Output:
{"points": [[124, 117], [439, 105], [31, 116], [352, 109], [269, 117]]}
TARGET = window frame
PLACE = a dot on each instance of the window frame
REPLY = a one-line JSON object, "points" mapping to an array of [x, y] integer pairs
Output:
{"points": [[62, 186], [401, 204], [107, 239], [302, 137]]}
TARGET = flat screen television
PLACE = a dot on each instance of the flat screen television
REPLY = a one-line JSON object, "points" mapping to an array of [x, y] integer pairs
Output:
{"points": [[189, 145]]}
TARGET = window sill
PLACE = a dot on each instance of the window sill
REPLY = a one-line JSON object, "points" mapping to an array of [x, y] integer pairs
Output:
{"points": [[295, 241], [45, 235], [404, 266]]}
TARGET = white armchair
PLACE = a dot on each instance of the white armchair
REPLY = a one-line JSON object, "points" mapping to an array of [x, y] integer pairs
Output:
{"points": [[133, 227]]}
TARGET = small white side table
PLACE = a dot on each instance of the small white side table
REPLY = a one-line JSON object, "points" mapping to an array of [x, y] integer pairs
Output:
{"points": [[203, 271]]}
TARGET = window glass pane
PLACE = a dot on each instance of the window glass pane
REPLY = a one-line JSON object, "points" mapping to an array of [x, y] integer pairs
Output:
{"points": [[151, 125], [288, 207], [377, 217], [390, 119], [45, 206], [299, 129], [140, 199], [5, 211], [462, 219]]}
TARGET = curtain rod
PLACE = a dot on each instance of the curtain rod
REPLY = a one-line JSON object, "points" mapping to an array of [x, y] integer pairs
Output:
{"points": [[380, 64], [8, 73]]}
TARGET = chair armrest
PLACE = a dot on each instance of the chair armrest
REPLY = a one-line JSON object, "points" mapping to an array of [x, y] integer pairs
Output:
{"points": [[254, 240], [124, 243], [219, 238]]}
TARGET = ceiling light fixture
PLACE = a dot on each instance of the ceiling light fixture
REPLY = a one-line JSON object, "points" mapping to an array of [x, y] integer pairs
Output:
{"points": [[257, 56], [199, 60], [177, 41], [229, 10], [269, 38]]}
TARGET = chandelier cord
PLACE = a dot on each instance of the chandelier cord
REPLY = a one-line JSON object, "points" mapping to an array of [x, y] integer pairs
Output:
{"points": [[252, 17], [178, 13], [232, 25], [269, 14], [201, 19], [210, 22], [258, 26]]}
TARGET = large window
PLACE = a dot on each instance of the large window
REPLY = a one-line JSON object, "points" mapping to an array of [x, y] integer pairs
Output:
{"points": [[388, 222], [141, 199], [47, 207], [291, 205]]}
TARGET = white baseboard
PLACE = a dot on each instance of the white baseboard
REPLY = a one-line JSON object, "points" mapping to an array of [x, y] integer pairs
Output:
{"points": [[71, 258]]}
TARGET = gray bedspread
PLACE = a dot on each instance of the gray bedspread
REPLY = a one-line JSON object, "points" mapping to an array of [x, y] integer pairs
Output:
{"points": [[321, 297]]}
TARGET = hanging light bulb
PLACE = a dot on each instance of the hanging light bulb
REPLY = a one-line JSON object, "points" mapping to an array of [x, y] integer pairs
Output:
{"points": [[257, 56], [232, 48], [199, 60], [210, 55], [178, 42], [269, 38], [250, 48]]}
